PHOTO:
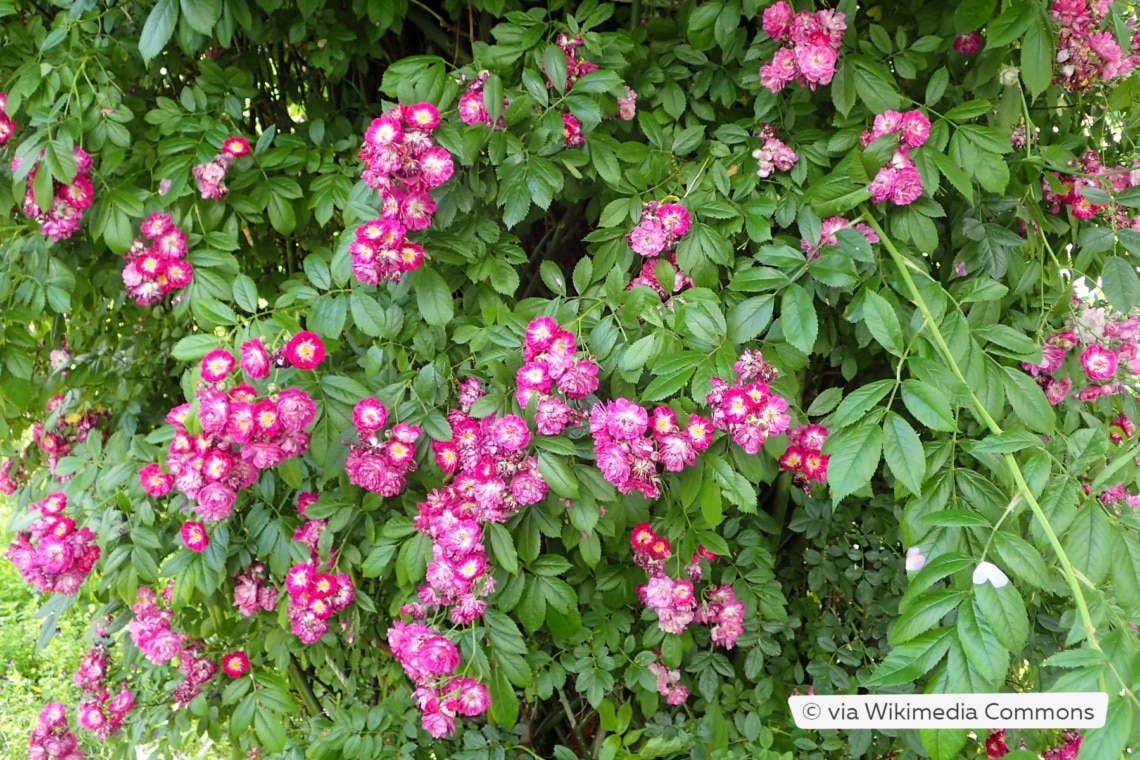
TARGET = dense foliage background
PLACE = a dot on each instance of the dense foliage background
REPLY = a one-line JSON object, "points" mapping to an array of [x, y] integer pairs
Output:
{"points": [[915, 339]]}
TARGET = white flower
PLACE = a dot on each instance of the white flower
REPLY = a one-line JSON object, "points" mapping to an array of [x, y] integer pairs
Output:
{"points": [[915, 559], [987, 571]]}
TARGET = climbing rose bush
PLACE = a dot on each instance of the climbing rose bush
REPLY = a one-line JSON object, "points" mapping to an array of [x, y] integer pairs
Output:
{"points": [[545, 379]]}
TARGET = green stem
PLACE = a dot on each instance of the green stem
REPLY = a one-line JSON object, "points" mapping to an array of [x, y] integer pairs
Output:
{"points": [[1015, 470], [307, 695]]}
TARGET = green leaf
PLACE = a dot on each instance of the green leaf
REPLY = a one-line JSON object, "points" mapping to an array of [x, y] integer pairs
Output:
{"points": [[882, 322], [504, 708], [558, 475], [747, 319], [554, 64], [924, 614], [210, 313], [1088, 542], [1037, 58], [1120, 284], [903, 452], [1004, 443], [971, 14], [943, 743], [245, 293], [202, 15], [1004, 611], [1021, 558], [433, 297], [1126, 570], [270, 730], [503, 547], [368, 314], [1110, 739], [1009, 25], [981, 646], [798, 318], [854, 453], [936, 85], [929, 405], [908, 662], [158, 28], [860, 401], [281, 214], [991, 171], [1028, 401], [194, 347]]}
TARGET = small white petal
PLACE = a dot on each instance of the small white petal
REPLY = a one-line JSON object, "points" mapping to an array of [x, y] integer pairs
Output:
{"points": [[915, 559], [987, 571]]}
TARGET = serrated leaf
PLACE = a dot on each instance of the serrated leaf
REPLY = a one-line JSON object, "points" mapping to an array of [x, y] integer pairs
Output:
{"points": [[433, 297], [798, 318], [929, 406], [882, 322], [1120, 284], [1089, 543], [924, 614], [158, 28], [903, 452], [854, 456], [1004, 611]]}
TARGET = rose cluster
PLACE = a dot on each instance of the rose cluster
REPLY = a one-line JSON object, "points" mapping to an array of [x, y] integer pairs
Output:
{"points": [[197, 670], [810, 41], [1109, 342], [155, 264], [549, 360], [803, 457], [239, 433], [52, 738], [211, 175], [314, 597], [629, 446], [1065, 190], [772, 155], [98, 712], [1068, 750], [251, 593], [674, 601], [151, 631], [430, 660], [724, 614], [669, 683], [627, 106], [376, 464], [661, 227], [1088, 54], [494, 477], [898, 181], [61, 220], [827, 237], [749, 411], [11, 476], [70, 429], [648, 278], [402, 165], [54, 555], [7, 126], [472, 109]]}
